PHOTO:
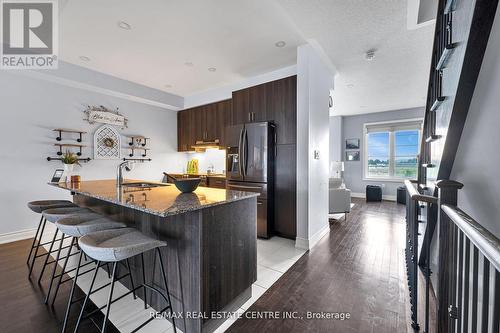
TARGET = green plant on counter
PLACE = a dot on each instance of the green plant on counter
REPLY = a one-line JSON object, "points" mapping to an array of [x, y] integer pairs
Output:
{"points": [[70, 158]]}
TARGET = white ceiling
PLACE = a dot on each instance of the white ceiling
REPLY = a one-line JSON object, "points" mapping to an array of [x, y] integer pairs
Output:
{"points": [[238, 36], [235, 36], [398, 75]]}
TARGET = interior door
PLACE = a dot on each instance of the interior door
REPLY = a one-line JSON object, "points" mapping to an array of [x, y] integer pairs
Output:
{"points": [[255, 150]]}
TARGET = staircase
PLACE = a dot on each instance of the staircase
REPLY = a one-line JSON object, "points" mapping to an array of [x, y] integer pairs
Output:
{"points": [[461, 36]]}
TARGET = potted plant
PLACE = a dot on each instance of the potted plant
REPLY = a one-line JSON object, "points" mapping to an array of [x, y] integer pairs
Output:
{"points": [[69, 160]]}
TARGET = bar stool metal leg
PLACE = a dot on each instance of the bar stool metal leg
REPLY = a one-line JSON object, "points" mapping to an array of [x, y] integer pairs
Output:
{"points": [[47, 256], [35, 240], [113, 280], [166, 287], [144, 282], [131, 279], [87, 297], [54, 269], [72, 293], [37, 247], [73, 241]]}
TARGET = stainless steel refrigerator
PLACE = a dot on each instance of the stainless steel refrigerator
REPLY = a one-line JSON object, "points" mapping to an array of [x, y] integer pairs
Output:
{"points": [[250, 167]]}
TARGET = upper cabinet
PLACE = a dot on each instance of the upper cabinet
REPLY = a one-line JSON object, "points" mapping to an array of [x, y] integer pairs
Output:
{"points": [[274, 101], [202, 123]]}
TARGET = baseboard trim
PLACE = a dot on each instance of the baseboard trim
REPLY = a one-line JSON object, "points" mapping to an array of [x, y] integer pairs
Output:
{"points": [[17, 235], [307, 244], [363, 196]]}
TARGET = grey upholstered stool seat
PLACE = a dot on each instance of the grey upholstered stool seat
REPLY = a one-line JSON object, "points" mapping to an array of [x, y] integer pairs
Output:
{"points": [[118, 244], [81, 225], [41, 205], [55, 214], [115, 246]]}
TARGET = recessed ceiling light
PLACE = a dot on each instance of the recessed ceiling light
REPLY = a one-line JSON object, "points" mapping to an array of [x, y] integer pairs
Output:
{"points": [[280, 44], [168, 86], [350, 85], [84, 58], [212, 69], [189, 64], [124, 25]]}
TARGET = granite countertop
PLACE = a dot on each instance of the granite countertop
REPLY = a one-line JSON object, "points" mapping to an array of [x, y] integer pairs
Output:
{"points": [[162, 201], [212, 175]]}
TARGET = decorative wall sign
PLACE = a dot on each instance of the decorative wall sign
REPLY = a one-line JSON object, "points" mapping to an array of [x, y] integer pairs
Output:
{"points": [[107, 143], [103, 115]]}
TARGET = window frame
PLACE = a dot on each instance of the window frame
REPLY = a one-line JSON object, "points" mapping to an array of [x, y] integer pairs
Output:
{"points": [[392, 157]]}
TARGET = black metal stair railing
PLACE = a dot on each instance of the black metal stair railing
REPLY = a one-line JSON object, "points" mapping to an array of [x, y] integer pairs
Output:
{"points": [[468, 265], [413, 242]]}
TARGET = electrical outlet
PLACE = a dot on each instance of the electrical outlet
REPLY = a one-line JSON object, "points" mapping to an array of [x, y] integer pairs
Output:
{"points": [[316, 154]]}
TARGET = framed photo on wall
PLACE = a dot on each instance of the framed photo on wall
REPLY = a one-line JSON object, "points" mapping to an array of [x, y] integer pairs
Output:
{"points": [[352, 155], [352, 144]]}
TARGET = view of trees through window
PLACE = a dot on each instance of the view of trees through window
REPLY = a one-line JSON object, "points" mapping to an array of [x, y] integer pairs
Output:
{"points": [[398, 161]]}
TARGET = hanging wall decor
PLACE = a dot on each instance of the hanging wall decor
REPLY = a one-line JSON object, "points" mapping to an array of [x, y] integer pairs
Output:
{"points": [[101, 114], [107, 143]]}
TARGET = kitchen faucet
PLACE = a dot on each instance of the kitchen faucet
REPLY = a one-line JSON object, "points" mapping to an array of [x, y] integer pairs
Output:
{"points": [[119, 172]]}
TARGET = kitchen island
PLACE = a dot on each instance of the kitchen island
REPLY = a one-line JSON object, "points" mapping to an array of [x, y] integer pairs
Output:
{"points": [[211, 257]]}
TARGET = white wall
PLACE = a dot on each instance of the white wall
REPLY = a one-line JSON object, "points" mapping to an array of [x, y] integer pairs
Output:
{"points": [[314, 81], [32, 107], [477, 161], [336, 138], [214, 157]]}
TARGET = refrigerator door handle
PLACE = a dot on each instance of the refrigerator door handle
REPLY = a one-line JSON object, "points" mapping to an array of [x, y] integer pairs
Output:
{"points": [[240, 154], [245, 147]]}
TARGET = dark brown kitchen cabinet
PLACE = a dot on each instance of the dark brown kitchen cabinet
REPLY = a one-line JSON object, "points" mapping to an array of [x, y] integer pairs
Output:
{"points": [[185, 131], [274, 101], [285, 191], [282, 108], [203, 123]]}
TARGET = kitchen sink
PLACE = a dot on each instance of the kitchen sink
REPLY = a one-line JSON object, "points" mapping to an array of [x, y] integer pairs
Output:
{"points": [[144, 184]]}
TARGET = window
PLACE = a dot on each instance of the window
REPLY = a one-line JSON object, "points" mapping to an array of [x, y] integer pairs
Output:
{"points": [[391, 150]]}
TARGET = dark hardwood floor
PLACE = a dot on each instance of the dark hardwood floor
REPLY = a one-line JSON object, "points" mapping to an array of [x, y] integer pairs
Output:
{"points": [[358, 268], [22, 307]]}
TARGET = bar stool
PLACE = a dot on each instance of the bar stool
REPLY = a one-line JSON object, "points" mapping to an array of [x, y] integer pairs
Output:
{"points": [[114, 246], [76, 226], [38, 207], [53, 215]]}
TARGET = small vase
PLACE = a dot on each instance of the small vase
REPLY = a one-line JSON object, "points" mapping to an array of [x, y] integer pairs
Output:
{"points": [[68, 170]]}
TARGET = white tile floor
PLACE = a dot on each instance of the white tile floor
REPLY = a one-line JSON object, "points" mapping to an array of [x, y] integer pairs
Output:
{"points": [[274, 257]]}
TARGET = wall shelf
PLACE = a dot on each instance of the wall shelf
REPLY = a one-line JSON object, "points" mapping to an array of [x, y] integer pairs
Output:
{"points": [[140, 140], [88, 159], [63, 130], [62, 145], [132, 149], [138, 159]]}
